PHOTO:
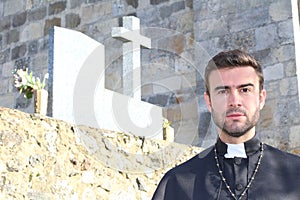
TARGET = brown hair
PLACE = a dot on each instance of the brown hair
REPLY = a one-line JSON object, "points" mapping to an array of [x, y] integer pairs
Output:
{"points": [[232, 59]]}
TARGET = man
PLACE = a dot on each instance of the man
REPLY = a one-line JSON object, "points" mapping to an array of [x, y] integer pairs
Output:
{"points": [[239, 165]]}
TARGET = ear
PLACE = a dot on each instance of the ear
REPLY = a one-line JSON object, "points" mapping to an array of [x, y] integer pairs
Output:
{"points": [[207, 101], [262, 98]]}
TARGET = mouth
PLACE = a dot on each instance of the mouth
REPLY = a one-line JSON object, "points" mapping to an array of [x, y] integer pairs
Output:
{"points": [[235, 115]]}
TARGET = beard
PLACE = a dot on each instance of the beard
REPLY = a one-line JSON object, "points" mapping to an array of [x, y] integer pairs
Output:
{"points": [[235, 128]]}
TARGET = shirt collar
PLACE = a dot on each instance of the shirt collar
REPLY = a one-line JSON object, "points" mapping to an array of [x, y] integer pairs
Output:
{"points": [[251, 146]]}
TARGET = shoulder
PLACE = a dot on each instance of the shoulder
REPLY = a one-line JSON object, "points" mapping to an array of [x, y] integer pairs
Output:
{"points": [[280, 155], [194, 164], [178, 183]]}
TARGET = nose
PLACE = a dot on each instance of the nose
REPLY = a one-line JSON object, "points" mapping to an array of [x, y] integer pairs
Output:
{"points": [[234, 99]]}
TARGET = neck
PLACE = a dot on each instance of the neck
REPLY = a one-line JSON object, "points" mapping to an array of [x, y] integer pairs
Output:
{"points": [[224, 137]]}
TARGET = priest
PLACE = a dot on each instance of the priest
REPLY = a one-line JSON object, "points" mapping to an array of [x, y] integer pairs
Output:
{"points": [[239, 166]]}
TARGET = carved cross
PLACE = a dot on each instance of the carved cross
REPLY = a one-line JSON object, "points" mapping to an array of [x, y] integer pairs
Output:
{"points": [[133, 40]]}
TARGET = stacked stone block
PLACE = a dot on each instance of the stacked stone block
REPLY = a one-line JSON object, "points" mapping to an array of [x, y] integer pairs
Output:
{"points": [[185, 34], [265, 29]]}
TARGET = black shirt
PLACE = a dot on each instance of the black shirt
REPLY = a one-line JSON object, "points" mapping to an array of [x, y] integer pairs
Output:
{"points": [[278, 176]]}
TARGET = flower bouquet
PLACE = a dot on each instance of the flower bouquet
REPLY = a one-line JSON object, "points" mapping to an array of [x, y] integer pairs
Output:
{"points": [[31, 86], [27, 84]]}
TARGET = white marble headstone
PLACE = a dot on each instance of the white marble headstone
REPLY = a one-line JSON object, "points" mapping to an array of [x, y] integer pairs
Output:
{"points": [[77, 77]]}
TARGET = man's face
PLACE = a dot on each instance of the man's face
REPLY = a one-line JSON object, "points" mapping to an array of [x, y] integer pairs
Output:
{"points": [[235, 100]]}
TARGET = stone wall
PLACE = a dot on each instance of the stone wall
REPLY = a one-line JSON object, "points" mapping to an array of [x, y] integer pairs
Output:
{"points": [[43, 158], [264, 28], [184, 33]]}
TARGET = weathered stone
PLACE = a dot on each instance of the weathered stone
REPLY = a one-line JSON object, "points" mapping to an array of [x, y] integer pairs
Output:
{"points": [[20, 19], [241, 39], [266, 116], [211, 28], [280, 10], [281, 117], [18, 51], [133, 3], [73, 178], [288, 86], [37, 14], [160, 100], [266, 37], [174, 44], [7, 100], [189, 110], [4, 87], [88, 177], [72, 20], [285, 29], [76, 3], [186, 132], [118, 8], [4, 56], [34, 4], [93, 1], [289, 68], [240, 20], [4, 23], [39, 62], [264, 57], [156, 2], [174, 113], [188, 81], [167, 10], [189, 4], [22, 103], [254, 18], [294, 137], [7, 69], [185, 22], [11, 7], [284, 53], [31, 32], [274, 72], [1, 42], [43, 44], [33, 47], [13, 36], [22, 63], [95, 11], [56, 7], [50, 23]]}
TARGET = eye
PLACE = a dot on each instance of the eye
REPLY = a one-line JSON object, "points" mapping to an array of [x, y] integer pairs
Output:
{"points": [[222, 91], [245, 90]]}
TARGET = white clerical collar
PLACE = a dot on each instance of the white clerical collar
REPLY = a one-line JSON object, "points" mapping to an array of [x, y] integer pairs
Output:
{"points": [[235, 150]]}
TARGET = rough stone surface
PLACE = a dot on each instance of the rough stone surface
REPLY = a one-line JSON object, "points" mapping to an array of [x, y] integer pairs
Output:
{"points": [[57, 7], [72, 20], [274, 72], [37, 14], [265, 37], [28, 33], [11, 7], [19, 19], [18, 52], [5, 23], [13, 36], [43, 158], [184, 34], [50, 23]]}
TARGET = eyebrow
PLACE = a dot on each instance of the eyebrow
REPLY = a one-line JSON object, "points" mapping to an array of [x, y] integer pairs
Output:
{"points": [[225, 87]]}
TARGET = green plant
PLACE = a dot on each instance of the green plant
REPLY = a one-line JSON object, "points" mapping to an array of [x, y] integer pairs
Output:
{"points": [[26, 83], [166, 123]]}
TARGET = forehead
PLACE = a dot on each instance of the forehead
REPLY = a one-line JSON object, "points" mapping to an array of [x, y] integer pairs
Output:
{"points": [[233, 77]]}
